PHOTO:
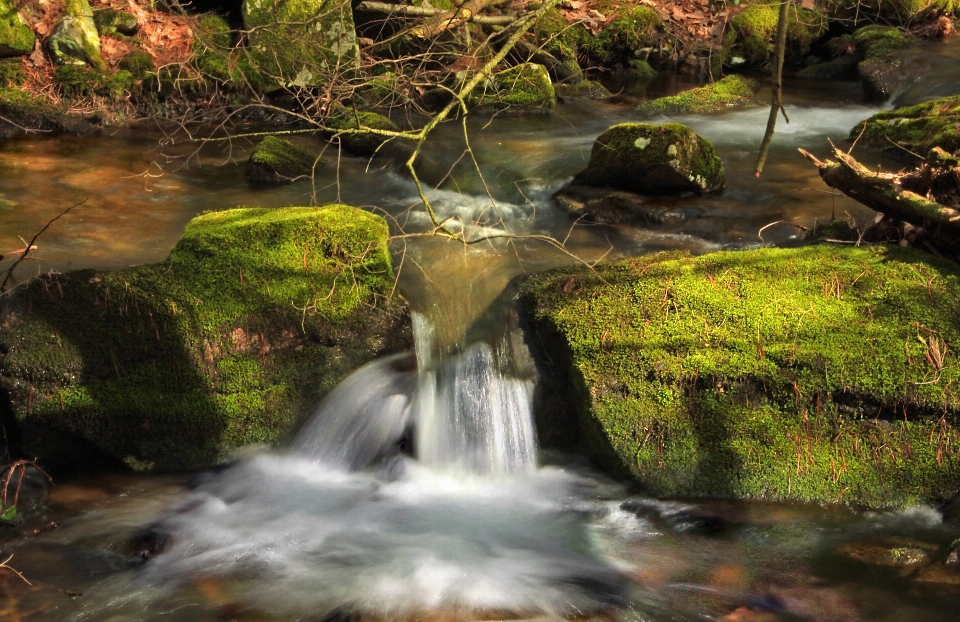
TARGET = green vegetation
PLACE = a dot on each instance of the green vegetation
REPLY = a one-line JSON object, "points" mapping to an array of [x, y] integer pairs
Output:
{"points": [[819, 374], [653, 159], [916, 129], [366, 144], [16, 37], [113, 23], [138, 64], [631, 28], [585, 89], [726, 94], [255, 314], [522, 88], [556, 36], [34, 112], [12, 73], [276, 160], [904, 10], [77, 81], [752, 33], [76, 40]]}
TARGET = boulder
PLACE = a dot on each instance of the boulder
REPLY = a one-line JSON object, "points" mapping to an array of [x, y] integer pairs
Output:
{"points": [[881, 66], [653, 159], [605, 207], [16, 36], [916, 129], [729, 93], [627, 30], [585, 89], [75, 41], [807, 374], [752, 32], [23, 111], [367, 144], [279, 161], [111, 22], [524, 88], [301, 43], [840, 68], [253, 317]]}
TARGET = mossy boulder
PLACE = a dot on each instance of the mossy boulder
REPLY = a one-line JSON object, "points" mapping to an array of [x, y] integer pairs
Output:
{"points": [[917, 129], [75, 41], [903, 11], [840, 68], [35, 113], [363, 142], [629, 28], [753, 30], [255, 315], [137, 63], [16, 36], [524, 88], [653, 159], [301, 43], [563, 40], [820, 374], [12, 73], [278, 161], [80, 81], [585, 89], [879, 49], [729, 93], [111, 22]]}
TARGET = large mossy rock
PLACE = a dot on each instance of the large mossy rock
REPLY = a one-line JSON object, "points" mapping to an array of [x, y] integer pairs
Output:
{"points": [[524, 88], [254, 316], [820, 374], [279, 161], [752, 33], [729, 93], [628, 29], [75, 39], [916, 129], [16, 37], [301, 43], [881, 67], [22, 111], [653, 159]]}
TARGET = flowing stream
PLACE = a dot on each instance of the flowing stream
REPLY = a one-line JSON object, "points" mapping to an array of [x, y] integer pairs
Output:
{"points": [[417, 490]]}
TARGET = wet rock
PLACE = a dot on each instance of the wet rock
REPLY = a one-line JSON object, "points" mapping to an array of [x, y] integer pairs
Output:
{"points": [[732, 92], [228, 342], [840, 68], [16, 36], [279, 161], [585, 89], [678, 516], [918, 128], [939, 574], [23, 111], [300, 43], [628, 30], [880, 67], [894, 553], [111, 22], [954, 556], [76, 40], [368, 143], [653, 160], [603, 206], [752, 32], [524, 88]]}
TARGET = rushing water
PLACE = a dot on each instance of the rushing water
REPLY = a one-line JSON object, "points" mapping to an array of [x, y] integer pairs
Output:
{"points": [[416, 489]]}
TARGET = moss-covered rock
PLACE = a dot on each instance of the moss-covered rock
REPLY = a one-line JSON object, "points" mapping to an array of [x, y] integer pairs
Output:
{"points": [[553, 34], [364, 143], [78, 81], [278, 161], [752, 33], [301, 43], [880, 68], [903, 11], [840, 68], [111, 22], [34, 113], [917, 128], [653, 159], [255, 314], [634, 73], [16, 37], [524, 88], [75, 41], [815, 374], [731, 92], [12, 73], [138, 63], [585, 89], [629, 28]]}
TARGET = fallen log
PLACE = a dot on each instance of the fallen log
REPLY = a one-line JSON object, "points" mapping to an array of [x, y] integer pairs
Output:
{"points": [[404, 10], [457, 16]]}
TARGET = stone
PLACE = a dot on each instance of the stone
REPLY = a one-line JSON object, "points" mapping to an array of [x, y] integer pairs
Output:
{"points": [[301, 43], [524, 88], [881, 67], [653, 159], [16, 36], [279, 161], [917, 129], [840, 68], [28, 111], [585, 89], [605, 207], [75, 41], [752, 32], [368, 144], [230, 341], [730, 93], [111, 22]]}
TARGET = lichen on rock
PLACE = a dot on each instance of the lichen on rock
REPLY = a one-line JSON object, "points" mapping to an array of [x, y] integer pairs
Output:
{"points": [[278, 161], [653, 159], [75, 39], [254, 316], [814, 374], [728, 93]]}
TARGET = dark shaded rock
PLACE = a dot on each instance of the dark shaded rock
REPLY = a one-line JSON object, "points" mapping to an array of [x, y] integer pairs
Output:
{"points": [[611, 207], [111, 22], [279, 161], [585, 89], [840, 68], [22, 111]]}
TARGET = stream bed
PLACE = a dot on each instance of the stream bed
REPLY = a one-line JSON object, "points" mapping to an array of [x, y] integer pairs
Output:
{"points": [[279, 535]]}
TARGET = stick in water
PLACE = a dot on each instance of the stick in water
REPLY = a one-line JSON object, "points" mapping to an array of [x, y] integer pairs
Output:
{"points": [[31, 246], [775, 104]]}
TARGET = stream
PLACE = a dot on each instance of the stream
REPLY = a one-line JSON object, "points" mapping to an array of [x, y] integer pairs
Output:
{"points": [[483, 524]]}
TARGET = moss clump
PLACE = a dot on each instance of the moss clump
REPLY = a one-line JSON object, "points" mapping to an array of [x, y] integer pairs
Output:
{"points": [[653, 159], [553, 34], [255, 314], [917, 128], [728, 93], [29, 111], [366, 144], [526, 87], [12, 73], [630, 28], [111, 22], [777, 374], [138, 63], [752, 33], [16, 37], [78, 81], [585, 89], [277, 161]]}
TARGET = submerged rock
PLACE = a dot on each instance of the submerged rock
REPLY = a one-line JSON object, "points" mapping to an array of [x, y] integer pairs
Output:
{"points": [[255, 314], [653, 159], [279, 161], [16, 36], [732, 92], [301, 43], [916, 129], [76, 40], [805, 374], [606, 207], [526, 87]]}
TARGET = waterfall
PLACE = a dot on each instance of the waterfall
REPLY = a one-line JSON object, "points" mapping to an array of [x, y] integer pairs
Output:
{"points": [[467, 415]]}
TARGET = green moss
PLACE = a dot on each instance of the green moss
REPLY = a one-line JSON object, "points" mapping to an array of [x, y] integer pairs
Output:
{"points": [[653, 159], [631, 28], [752, 33], [255, 315], [276, 160], [138, 64], [79, 81], [728, 93], [76, 40], [112, 23], [16, 37], [32, 112], [12, 73], [903, 11], [776, 374], [917, 128], [556, 36], [585, 89], [365, 144], [525, 87], [881, 42], [382, 91]]}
